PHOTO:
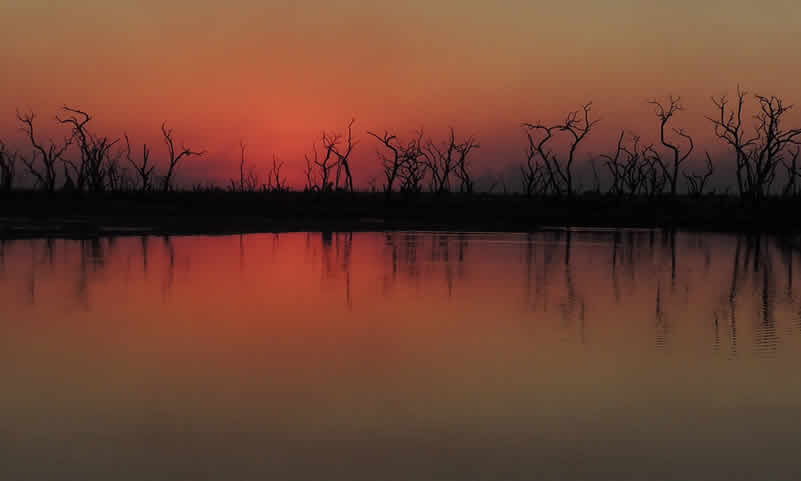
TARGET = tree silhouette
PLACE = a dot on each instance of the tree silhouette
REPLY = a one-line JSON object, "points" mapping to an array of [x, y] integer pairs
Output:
{"points": [[8, 168], [95, 159], [174, 157], [341, 147], [758, 155], [664, 112], [560, 171], [45, 174], [144, 170]]}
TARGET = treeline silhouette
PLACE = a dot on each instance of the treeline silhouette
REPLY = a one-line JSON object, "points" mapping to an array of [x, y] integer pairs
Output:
{"points": [[420, 171]]}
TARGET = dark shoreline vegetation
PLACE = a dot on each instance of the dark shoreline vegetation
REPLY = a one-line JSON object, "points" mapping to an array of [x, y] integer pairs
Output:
{"points": [[38, 214], [90, 184]]}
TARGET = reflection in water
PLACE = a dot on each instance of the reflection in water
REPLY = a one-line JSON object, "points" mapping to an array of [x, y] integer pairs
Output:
{"points": [[760, 278], [457, 354]]}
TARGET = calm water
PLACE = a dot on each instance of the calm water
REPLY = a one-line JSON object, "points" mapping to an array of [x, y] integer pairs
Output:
{"points": [[401, 356]]}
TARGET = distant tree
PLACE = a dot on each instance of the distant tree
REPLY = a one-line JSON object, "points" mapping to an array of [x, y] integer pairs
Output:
{"points": [[559, 171], [403, 162], [95, 161], [629, 167], [341, 147], [450, 158], [248, 176], [463, 172], [8, 168], [413, 166], [793, 173], [47, 157], [757, 156], [276, 182], [665, 112], [324, 164], [729, 128], [174, 157], [391, 163], [143, 170], [242, 147], [696, 183]]}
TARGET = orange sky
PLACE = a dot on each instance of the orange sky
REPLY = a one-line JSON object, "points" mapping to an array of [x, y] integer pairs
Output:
{"points": [[277, 73]]}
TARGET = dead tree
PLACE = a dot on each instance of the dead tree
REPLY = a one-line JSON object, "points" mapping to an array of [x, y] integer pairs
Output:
{"points": [[341, 147], [655, 180], [771, 146], [324, 164], [8, 168], [174, 157], [311, 177], [276, 183], [792, 168], [413, 166], [532, 174], [696, 183], [248, 178], [462, 166], [560, 171], [449, 158], [729, 128], [143, 170], [629, 167], [613, 163], [440, 162], [45, 174], [95, 152], [242, 147], [757, 155], [116, 175], [664, 112], [390, 163]]}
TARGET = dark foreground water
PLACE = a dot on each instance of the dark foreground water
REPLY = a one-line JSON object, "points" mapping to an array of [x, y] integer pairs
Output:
{"points": [[401, 356]]}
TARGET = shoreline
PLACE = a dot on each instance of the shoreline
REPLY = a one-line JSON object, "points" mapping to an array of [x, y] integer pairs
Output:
{"points": [[35, 214]]}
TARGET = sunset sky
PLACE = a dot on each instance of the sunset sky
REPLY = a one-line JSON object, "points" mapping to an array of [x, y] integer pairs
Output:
{"points": [[277, 73]]}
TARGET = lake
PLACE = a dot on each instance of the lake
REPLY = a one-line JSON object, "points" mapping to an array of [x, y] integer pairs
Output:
{"points": [[566, 354]]}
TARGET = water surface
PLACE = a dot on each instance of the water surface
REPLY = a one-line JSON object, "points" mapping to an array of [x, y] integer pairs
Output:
{"points": [[401, 356]]}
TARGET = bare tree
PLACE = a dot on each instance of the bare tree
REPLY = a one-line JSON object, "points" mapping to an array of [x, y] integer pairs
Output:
{"points": [[175, 156], [248, 176], [629, 168], [758, 155], [729, 128], [117, 175], [391, 163], [413, 166], [275, 182], [560, 171], [341, 147], [8, 168], [403, 163], [532, 172], [242, 147], [45, 175], [696, 183], [324, 164], [664, 112], [440, 161], [793, 173], [771, 146], [654, 175], [311, 177], [462, 166], [449, 158], [95, 151], [144, 171]]}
